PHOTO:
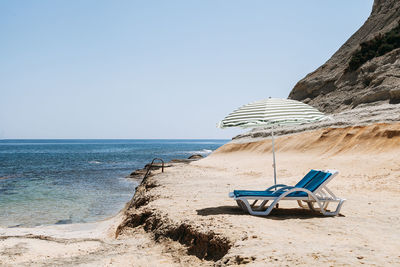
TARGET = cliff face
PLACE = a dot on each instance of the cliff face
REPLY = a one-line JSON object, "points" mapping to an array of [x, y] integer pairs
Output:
{"points": [[332, 88]]}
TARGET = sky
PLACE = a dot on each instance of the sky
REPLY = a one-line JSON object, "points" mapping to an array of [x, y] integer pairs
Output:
{"points": [[157, 69]]}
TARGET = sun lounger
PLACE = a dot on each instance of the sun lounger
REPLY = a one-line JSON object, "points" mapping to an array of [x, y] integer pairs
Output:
{"points": [[312, 190], [307, 178]]}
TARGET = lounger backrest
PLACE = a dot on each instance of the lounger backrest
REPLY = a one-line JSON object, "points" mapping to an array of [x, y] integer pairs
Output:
{"points": [[317, 181], [309, 176]]}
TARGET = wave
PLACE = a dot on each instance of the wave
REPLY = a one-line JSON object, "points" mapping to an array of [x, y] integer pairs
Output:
{"points": [[94, 162], [201, 152]]}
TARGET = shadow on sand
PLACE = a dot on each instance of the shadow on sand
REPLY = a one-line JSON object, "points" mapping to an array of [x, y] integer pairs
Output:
{"points": [[276, 214]]}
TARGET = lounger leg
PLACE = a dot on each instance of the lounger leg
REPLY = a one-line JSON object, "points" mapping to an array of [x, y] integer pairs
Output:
{"points": [[245, 205], [242, 206], [311, 206], [238, 203], [262, 205], [255, 201], [301, 204], [270, 207], [324, 205], [336, 212], [262, 213]]}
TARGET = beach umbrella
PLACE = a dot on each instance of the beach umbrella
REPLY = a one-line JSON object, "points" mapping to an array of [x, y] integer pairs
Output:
{"points": [[272, 112]]}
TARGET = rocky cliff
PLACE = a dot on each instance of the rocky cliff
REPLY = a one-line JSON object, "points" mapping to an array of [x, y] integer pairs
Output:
{"points": [[333, 87]]}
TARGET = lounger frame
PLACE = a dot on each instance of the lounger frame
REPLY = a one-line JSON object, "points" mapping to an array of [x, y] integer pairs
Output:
{"points": [[321, 197]]}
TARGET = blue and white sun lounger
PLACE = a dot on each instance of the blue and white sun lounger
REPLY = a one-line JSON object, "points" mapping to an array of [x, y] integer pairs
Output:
{"points": [[311, 189], [307, 178]]}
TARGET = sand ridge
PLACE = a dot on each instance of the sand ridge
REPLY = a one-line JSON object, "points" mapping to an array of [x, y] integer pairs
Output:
{"points": [[376, 138]]}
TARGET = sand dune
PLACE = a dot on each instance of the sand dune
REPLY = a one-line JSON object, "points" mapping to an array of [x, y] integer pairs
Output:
{"points": [[375, 138]]}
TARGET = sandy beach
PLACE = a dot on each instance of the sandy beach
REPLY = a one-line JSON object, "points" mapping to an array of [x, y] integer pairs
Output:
{"points": [[366, 232], [184, 217]]}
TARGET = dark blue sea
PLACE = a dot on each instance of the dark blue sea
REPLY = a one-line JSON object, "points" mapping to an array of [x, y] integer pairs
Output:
{"points": [[46, 182]]}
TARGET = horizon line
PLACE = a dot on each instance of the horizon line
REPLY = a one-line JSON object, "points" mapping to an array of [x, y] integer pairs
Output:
{"points": [[113, 139]]}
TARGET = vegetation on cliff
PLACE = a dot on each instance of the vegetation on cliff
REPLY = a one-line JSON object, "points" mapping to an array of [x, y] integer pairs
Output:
{"points": [[380, 45]]}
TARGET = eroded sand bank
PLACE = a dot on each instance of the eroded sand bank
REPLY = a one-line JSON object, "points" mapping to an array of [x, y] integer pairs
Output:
{"points": [[184, 216]]}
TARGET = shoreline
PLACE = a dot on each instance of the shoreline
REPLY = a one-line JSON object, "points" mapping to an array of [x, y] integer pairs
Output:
{"points": [[51, 244], [58, 182], [135, 176]]}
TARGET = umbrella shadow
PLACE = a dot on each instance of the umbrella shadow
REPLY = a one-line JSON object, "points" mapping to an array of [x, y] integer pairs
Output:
{"points": [[276, 214]]}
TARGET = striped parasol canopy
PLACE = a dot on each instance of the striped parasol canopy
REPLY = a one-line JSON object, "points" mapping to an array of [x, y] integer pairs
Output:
{"points": [[271, 111]]}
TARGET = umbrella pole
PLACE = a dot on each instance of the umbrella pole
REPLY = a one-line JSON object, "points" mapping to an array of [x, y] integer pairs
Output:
{"points": [[273, 154]]}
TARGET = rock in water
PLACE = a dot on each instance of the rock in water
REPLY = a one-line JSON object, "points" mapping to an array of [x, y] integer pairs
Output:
{"points": [[333, 87], [196, 156]]}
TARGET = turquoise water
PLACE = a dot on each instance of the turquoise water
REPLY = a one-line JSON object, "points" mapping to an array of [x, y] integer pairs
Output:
{"points": [[74, 181]]}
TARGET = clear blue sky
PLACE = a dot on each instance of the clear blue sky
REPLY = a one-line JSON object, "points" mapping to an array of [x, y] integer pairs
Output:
{"points": [[156, 69]]}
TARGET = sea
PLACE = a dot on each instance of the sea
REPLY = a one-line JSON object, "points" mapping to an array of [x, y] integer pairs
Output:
{"points": [[47, 182]]}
